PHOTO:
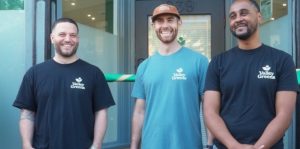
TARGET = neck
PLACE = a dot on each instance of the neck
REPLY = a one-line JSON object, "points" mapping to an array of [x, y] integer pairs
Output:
{"points": [[65, 60], [168, 49], [252, 43]]}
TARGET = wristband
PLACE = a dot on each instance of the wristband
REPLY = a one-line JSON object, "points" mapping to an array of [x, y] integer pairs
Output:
{"points": [[208, 146]]}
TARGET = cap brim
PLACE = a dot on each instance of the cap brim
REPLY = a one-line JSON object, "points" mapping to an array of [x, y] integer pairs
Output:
{"points": [[153, 18]]}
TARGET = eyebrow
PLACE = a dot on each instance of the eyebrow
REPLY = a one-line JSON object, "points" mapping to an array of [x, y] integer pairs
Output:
{"points": [[244, 9]]}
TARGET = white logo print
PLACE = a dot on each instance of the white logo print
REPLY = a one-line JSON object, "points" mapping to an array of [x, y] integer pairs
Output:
{"points": [[78, 84], [266, 73], [179, 75]]}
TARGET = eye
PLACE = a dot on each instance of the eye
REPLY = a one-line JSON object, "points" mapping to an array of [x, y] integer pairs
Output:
{"points": [[159, 21], [232, 16], [171, 20], [62, 34], [244, 12], [73, 35]]}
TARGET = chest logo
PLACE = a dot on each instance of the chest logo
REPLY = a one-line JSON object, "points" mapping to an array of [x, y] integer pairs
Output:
{"points": [[266, 73], [179, 74], [77, 84]]}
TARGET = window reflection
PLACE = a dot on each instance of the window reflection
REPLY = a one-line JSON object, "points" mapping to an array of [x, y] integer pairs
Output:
{"points": [[273, 9], [94, 13]]}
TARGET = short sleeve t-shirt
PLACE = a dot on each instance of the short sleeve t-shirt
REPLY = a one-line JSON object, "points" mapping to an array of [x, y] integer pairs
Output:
{"points": [[64, 98], [248, 82], [171, 86]]}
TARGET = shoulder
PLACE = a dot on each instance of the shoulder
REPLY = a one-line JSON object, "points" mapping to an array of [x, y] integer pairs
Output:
{"points": [[279, 57], [228, 54], [41, 67], [145, 62], [88, 66], [193, 53], [43, 64], [275, 51]]}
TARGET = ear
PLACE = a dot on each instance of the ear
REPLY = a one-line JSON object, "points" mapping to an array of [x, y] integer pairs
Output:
{"points": [[260, 18], [52, 38], [179, 22], [152, 24]]}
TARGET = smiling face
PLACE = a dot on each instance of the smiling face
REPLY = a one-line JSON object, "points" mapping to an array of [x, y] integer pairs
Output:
{"points": [[166, 28], [65, 39], [244, 19]]}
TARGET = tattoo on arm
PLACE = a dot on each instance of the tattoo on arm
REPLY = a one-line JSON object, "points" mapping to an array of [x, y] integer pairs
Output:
{"points": [[26, 114]]}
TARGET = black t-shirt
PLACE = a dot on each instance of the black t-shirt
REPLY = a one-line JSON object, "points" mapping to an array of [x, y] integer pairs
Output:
{"points": [[64, 98], [248, 82]]}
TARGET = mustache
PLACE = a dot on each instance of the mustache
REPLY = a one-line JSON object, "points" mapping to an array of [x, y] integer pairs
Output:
{"points": [[240, 23]]}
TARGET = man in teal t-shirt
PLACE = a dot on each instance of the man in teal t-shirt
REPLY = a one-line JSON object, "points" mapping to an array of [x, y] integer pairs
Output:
{"points": [[168, 90]]}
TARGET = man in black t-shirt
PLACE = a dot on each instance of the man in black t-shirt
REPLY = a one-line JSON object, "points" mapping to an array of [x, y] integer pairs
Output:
{"points": [[250, 90], [64, 100]]}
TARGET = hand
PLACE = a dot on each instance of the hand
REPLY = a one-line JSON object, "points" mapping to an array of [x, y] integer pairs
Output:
{"points": [[243, 146], [95, 147], [261, 147], [28, 146], [247, 146]]}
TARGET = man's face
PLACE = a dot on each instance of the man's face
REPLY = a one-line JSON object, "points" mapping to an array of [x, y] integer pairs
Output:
{"points": [[65, 39], [166, 28], [244, 19]]}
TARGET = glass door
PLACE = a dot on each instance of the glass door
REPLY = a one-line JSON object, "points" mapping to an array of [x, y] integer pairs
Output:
{"points": [[98, 45]]}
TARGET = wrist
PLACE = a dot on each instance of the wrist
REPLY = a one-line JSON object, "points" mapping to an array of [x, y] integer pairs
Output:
{"points": [[133, 146], [27, 145], [95, 147]]}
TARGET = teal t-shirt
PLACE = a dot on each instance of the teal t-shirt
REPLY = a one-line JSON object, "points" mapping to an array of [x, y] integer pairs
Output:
{"points": [[172, 87]]}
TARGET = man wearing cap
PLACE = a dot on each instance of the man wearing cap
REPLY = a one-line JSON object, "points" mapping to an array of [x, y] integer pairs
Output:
{"points": [[167, 90]]}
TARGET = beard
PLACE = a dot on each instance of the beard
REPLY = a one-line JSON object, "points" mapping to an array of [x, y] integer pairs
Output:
{"points": [[168, 39], [246, 35], [66, 54]]}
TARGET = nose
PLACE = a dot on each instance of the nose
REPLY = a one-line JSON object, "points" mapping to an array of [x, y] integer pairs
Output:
{"points": [[239, 18], [67, 38], [165, 24]]}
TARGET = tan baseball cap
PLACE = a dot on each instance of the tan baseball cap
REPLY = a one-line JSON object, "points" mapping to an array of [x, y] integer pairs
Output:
{"points": [[165, 9]]}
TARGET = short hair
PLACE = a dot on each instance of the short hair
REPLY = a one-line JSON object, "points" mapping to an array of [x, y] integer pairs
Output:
{"points": [[253, 2], [61, 20]]}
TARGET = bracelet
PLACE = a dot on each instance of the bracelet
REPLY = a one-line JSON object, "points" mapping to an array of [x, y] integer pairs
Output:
{"points": [[208, 146]]}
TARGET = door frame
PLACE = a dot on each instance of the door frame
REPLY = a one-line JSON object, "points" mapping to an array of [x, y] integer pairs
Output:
{"points": [[190, 7]]}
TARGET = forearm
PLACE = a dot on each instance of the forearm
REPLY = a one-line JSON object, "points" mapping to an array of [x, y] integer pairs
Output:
{"points": [[274, 131], [26, 128], [213, 120], [219, 130], [100, 128], [285, 105], [210, 137], [137, 124]]}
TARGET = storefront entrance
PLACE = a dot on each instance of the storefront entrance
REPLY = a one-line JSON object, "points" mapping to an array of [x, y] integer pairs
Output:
{"points": [[203, 26]]}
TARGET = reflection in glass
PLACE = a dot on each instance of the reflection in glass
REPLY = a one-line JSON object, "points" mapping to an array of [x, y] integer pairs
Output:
{"points": [[94, 13], [273, 9], [16, 58]]}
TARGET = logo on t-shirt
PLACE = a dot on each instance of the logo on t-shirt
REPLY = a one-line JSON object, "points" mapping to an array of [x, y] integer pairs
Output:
{"points": [[266, 73], [77, 84], [179, 75]]}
